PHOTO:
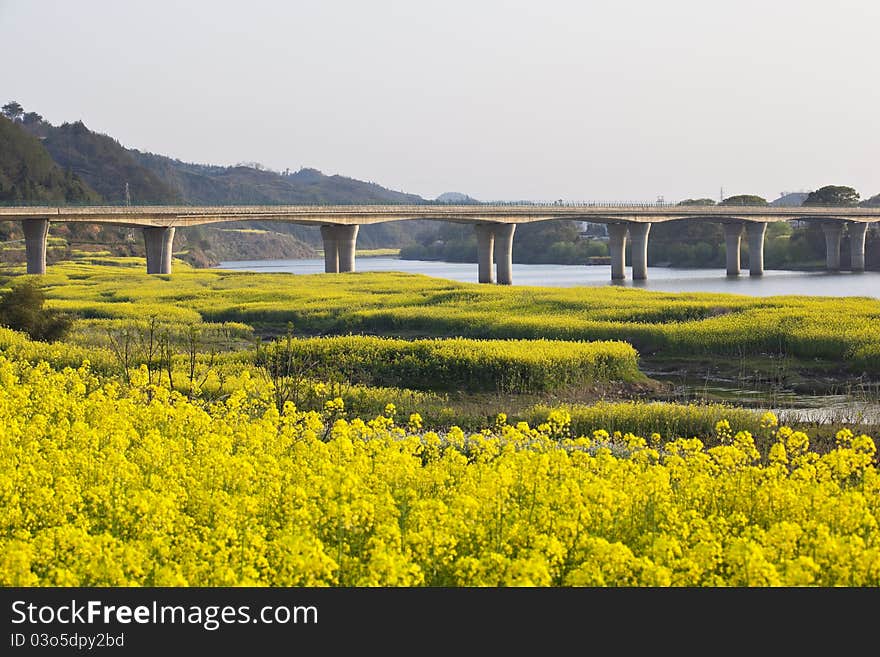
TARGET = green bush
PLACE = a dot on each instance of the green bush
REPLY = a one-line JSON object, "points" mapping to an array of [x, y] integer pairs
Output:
{"points": [[22, 308]]}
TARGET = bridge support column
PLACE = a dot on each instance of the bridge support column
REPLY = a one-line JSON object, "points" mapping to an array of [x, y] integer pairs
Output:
{"points": [[35, 234], [158, 241], [857, 231], [331, 250], [346, 244], [617, 250], [733, 241], [638, 233], [340, 243], [485, 246], [833, 231], [756, 231], [504, 252]]}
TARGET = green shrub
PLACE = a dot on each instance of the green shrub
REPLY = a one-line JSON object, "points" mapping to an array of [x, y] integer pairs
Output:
{"points": [[22, 308]]}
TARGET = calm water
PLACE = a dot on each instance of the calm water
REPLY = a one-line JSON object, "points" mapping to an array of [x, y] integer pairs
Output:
{"points": [[659, 278]]}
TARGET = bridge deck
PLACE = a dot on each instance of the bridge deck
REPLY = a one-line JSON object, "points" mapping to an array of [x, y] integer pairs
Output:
{"points": [[181, 216]]}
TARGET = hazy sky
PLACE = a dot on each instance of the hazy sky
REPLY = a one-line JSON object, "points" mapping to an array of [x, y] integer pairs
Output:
{"points": [[547, 99]]}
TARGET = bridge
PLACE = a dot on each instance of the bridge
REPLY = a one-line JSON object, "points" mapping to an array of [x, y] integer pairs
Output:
{"points": [[494, 224]]}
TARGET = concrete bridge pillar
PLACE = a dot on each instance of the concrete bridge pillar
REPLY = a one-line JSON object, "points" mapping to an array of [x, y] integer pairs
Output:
{"points": [[756, 231], [340, 243], [346, 244], [485, 247], [733, 240], [857, 230], [331, 250], [504, 252], [638, 233], [35, 233], [617, 250], [158, 241], [833, 231]]}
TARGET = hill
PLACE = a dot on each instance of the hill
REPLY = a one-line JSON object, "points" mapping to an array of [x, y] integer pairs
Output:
{"points": [[106, 165], [28, 172], [455, 197], [71, 163], [217, 185], [790, 199]]}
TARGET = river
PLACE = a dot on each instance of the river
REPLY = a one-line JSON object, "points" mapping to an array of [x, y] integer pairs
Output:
{"points": [[666, 279]]}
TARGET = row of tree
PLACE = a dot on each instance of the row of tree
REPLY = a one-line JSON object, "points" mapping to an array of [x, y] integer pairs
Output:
{"points": [[687, 242], [840, 196]]}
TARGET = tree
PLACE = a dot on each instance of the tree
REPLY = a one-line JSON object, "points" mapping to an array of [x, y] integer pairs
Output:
{"points": [[697, 201], [833, 195], [13, 110], [32, 117], [873, 202], [744, 199], [22, 309]]}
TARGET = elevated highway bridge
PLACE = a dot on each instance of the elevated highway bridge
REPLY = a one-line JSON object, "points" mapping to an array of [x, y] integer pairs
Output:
{"points": [[495, 225]]}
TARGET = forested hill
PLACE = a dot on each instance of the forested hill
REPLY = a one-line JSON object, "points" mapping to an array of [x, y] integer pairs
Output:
{"points": [[248, 185], [106, 165], [71, 163], [217, 185], [29, 174]]}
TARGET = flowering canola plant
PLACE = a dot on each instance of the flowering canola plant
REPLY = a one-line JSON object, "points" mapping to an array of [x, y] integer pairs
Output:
{"points": [[105, 485]]}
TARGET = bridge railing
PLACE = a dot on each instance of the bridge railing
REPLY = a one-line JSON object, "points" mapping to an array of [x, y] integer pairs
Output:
{"points": [[635, 205], [539, 204]]}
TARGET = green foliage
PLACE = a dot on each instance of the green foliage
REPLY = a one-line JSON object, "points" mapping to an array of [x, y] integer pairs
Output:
{"points": [[833, 195], [687, 243], [22, 309], [31, 118], [219, 185], [13, 110], [542, 242], [27, 172], [697, 201], [102, 162], [744, 199]]}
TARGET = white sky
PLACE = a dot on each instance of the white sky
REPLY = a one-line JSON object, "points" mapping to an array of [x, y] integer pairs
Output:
{"points": [[584, 100]]}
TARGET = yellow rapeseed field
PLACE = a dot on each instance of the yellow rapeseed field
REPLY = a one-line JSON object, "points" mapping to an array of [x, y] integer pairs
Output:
{"points": [[103, 484]]}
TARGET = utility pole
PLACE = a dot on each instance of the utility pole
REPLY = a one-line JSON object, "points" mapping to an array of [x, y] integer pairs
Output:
{"points": [[129, 233], [721, 197]]}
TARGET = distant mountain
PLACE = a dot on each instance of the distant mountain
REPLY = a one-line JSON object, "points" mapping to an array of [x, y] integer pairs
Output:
{"points": [[791, 199], [217, 185], [455, 197]]}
